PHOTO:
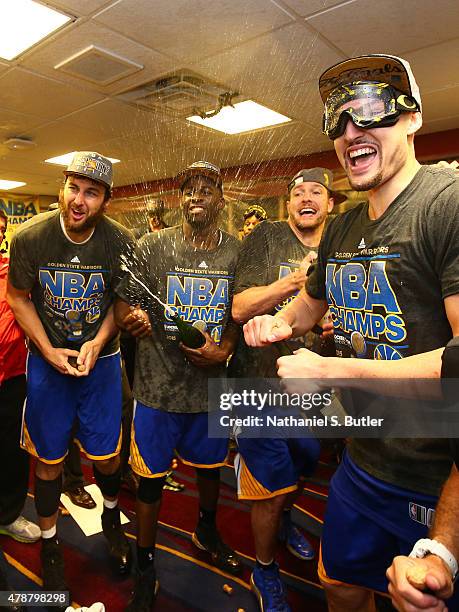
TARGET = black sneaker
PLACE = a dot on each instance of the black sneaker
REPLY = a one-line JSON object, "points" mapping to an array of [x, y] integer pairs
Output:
{"points": [[145, 590], [118, 545], [207, 538], [52, 567]]}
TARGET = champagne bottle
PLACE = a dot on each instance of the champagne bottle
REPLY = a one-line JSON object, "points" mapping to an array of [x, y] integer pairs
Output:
{"points": [[190, 335]]}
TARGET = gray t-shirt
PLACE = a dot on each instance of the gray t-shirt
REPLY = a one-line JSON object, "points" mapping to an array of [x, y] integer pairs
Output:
{"points": [[269, 253], [197, 285], [385, 282], [71, 283]]}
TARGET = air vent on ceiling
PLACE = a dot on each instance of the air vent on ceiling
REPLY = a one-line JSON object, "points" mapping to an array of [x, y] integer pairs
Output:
{"points": [[98, 65], [178, 93], [17, 143]]}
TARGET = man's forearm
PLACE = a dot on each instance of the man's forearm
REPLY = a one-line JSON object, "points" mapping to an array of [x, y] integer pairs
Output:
{"points": [[26, 315], [422, 366], [261, 300], [445, 527], [120, 310], [303, 313], [230, 337]]}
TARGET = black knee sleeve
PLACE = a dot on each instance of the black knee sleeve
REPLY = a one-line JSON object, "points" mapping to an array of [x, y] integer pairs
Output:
{"points": [[150, 489], [109, 484], [208, 473], [47, 495]]}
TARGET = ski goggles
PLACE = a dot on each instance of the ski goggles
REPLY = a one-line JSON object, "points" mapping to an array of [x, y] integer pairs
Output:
{"points": [[368, 104]]}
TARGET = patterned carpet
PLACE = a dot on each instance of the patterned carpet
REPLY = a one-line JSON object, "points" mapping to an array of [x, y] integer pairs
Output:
{"points": [[188, 581]]}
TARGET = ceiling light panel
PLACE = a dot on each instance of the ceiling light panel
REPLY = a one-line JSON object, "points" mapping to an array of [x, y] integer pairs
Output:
{"points": [[23, 23], [6, 185], [66, 158], [243, 117]]}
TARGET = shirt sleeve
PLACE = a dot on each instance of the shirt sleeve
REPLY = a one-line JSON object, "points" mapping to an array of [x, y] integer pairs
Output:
{"points": [[22, 273], [253, 266], [443, 235]]}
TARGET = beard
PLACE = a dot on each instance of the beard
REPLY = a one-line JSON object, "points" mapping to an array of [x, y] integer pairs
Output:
{"points": [[367, 184], [79, 228], [199, 222], [306, 224]]}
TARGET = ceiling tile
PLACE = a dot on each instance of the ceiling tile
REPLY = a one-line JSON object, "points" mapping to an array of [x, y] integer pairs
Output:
{"points": [[16, 124], [440, 125], [311, 6], [46, 57], [111, 118], [274, 143], [390, 26], [435, 67], [19, 93], [277, 60], [79, 7], [440, 104], [190, 30]]}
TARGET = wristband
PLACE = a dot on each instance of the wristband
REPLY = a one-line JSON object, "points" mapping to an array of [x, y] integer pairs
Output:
{"points": [[425, 546]]}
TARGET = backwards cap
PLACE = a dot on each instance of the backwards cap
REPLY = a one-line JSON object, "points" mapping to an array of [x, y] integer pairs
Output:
{"points": [[374, 67], [323, 176]]}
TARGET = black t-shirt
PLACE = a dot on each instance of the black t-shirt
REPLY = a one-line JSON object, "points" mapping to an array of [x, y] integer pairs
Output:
{"points": [[385, 282], [269, 253], [71, 283], [197, 285]]}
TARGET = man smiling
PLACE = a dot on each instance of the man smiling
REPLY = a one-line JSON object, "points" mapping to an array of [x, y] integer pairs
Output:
{"points": [[271, 270], [384, 269], [64, 267], [190, 268]]}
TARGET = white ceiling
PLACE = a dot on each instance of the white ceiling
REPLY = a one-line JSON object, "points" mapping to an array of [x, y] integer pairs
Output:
{"points": [[269, 50]]}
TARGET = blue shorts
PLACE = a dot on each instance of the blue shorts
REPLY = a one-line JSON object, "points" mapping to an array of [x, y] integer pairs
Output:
{"points": [[56, 401], [367, 523], [158, 435], [266, 467]]}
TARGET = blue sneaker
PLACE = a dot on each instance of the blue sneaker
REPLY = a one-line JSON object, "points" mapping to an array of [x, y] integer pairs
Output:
{"points": [[269, 589], [295, 540]]}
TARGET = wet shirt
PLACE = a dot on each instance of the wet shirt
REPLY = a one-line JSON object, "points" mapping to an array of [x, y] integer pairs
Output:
{"points": [[71, 283], [196, 285], [385, 281], [269, 253]]}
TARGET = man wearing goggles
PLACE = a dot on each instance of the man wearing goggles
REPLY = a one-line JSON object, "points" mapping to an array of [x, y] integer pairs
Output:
{"points": [[392, 259], [368, 104]]}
